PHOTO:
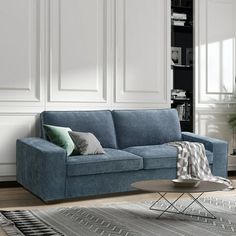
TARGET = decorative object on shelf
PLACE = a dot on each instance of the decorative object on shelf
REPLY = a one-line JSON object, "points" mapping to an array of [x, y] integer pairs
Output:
{"points": [[178, 93], [189, 56], [176, 55], [183, 111], [187, 111]]}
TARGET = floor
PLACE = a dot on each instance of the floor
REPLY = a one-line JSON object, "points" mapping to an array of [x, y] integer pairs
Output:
{"points": [[19, 198]]}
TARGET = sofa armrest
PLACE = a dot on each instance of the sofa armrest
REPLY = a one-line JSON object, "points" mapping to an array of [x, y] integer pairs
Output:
{"points": [[41, 168], [217, 146]]}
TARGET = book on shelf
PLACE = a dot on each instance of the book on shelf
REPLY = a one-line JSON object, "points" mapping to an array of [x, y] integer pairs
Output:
{"points": [[179, 16], [178, 22]]}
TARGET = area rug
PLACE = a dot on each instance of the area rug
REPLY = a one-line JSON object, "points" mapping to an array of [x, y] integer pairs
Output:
{"points": [[126, 219]]}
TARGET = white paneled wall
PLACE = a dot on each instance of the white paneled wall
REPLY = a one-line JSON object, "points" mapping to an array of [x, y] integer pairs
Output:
{"points": [[78, 51], [13, 126], [21, 84], [78, 54], [140, 65], [215, 92], [215, 50], [20, 51]]}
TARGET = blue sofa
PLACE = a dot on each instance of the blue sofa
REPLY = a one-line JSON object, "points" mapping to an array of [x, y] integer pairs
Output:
{"points": [[135, 142]]}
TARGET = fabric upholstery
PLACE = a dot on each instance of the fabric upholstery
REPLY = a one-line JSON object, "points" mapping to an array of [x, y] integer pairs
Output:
{"points": [[40, 168], [86, 143], [44, 168], [146, 127], [160, 156], [218, 147], [112, 161], [59, 136], [116, 182], [99, 123]]}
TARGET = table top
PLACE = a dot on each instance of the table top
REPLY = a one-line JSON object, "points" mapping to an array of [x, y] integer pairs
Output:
{"points": [[168, 186]]}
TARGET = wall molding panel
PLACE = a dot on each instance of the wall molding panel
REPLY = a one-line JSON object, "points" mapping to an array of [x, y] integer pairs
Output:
{"points": [[215, 68], [215, 52], [78, 54], [20, 42], [21, 81], [214, 123], [139, 66], [13, 126], [7, 170]]}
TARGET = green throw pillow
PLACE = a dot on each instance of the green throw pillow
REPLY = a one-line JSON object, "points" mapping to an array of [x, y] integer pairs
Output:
{"points": [[86, 143], [60, 136]]}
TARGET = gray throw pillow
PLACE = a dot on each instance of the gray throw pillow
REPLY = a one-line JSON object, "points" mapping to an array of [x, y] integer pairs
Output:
{"points": [[86, 143]]}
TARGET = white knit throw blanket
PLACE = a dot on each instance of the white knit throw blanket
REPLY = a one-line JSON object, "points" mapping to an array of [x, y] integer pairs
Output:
{"points": [[192, 163]]}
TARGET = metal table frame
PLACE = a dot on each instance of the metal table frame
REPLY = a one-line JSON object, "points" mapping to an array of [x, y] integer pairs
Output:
{"points": [[178, 211], [164, 186]]}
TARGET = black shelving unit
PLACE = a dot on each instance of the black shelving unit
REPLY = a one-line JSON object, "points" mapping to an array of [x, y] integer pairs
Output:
{"points": [[182, 71]]}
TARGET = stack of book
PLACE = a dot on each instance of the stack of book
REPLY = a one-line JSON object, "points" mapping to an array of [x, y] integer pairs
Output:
{"points": [[178, 18]]}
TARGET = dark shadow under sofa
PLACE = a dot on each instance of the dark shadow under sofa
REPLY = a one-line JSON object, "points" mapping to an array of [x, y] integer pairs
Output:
{"points": [[135, 142]]}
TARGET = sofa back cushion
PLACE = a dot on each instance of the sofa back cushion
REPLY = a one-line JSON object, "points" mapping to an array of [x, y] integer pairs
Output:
{"points": [[146, 127], [99, 123]]}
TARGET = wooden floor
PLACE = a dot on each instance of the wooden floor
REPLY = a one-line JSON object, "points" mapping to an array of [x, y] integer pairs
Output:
{"points": [[19, 198]]}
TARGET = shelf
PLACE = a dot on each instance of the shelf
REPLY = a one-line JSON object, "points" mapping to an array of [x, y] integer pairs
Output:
{"points": [[181, 66], [182, 75], [180, 99], [183, 26], [182, 7]]}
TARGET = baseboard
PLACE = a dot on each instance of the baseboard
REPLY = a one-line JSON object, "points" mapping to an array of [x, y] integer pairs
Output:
{"points": [[9, 184], [7, 178], [232, 173]]}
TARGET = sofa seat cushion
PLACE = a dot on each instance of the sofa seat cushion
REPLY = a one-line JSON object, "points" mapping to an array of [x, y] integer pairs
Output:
{"points": [[112, 161], [160, 156]]}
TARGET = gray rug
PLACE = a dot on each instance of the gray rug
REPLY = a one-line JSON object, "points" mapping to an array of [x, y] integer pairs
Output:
{"points": [[127, 219]]}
